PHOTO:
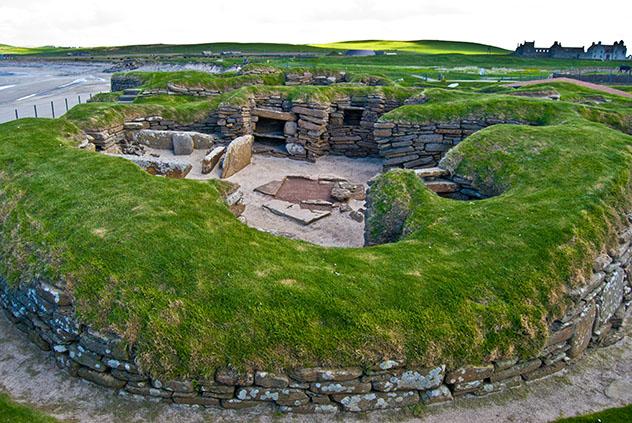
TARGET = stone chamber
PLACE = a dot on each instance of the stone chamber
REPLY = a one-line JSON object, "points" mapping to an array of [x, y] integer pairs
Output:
{"points": [[348, 126]]}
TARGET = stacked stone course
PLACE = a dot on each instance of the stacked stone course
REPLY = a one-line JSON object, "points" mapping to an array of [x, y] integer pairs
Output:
{"points": [[44, 311], [411, 145]]}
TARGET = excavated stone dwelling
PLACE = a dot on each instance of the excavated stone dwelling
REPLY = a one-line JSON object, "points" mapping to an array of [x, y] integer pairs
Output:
{"points": [[307, 130]]}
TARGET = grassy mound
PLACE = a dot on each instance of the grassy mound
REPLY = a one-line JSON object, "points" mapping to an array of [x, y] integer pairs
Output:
{"points": [[575, 103], [184, 109], [164, 263], [198, 79]]}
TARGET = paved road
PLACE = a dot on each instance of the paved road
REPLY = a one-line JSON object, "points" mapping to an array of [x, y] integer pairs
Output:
{"points": [[25, 84]]}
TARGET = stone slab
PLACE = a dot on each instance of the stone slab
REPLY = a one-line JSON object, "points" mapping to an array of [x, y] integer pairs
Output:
{"points": [[271, 188], [295, 212], [212, 159], [238, 155], [431, 172], [273, 114]]}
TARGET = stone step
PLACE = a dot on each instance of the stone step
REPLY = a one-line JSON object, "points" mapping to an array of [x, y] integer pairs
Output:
{"points": [[431, 172], [132, 91], [441, 186]]}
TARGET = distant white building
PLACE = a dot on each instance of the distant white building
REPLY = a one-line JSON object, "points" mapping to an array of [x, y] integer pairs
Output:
{"points": [[599, 51]]}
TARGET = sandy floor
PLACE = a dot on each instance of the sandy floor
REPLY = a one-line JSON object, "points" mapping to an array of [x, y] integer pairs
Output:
{"points": [[338, 229], [601, 380]]}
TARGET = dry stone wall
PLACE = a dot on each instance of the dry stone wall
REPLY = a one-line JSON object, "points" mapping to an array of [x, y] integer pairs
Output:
{"points": [[44, 311], [411, 145], [123, 81]]}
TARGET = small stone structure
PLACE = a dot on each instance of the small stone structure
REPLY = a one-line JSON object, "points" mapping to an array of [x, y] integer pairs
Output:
{"points": [[44, 311], [295, 129]]}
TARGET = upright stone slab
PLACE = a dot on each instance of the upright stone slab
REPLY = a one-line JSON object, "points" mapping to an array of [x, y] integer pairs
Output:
{"points": [[212, 159], [160, 140], [583, 330], [238, 155], [182, 144]]}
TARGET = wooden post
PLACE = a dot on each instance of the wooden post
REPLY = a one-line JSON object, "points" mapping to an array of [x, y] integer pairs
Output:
{"points": [[35, 108], [52, 108], [66, 101], [16, 114], [79, 99]]}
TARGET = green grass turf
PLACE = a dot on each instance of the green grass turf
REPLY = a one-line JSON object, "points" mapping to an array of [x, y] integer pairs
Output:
{"points": [[148, 49], [165, 264], [7, 49], [613, 415], [420, 47], [104, 114], [424, 47], [11, 412]]}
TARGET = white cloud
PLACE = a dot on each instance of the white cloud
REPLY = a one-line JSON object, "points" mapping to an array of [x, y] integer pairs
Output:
{"points": [[498, 22]]}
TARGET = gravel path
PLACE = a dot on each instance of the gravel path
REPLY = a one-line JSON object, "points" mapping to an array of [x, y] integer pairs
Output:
{"points": [[590, 85], [601, 380]]}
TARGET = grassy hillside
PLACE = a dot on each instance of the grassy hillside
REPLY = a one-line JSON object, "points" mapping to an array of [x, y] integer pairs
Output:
{"points": [[420, 47], [7, 49], [423, 47], [165, 49]]}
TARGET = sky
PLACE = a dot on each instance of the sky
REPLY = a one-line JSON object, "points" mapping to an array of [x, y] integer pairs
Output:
{"points": [[502, 23]]}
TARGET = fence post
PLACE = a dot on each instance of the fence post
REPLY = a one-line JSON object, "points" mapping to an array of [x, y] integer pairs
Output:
{"points": [[79, 99], [52, 108], [16, 114], [66, 101], [35, 108]]}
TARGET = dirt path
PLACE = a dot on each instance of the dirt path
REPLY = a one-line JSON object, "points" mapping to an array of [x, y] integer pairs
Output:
{"points": [[590, 85], [601, 380]]}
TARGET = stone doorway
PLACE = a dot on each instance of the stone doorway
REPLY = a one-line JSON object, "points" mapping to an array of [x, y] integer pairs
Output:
{"points": [[352, 116], [270, 129]]}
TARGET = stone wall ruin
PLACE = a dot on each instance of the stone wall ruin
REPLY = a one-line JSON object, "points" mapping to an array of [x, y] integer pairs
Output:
{"points": [[44, 311]]}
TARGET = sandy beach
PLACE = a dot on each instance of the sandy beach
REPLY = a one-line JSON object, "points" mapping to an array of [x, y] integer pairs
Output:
{"points": [[25, 84]]}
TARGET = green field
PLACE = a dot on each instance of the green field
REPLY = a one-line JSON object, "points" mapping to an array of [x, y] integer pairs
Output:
{"points": [[419, 47], [6, 49], [423, 47]]}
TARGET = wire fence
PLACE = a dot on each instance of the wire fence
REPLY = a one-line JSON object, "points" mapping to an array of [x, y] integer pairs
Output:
{"points": [[54, 108]]}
